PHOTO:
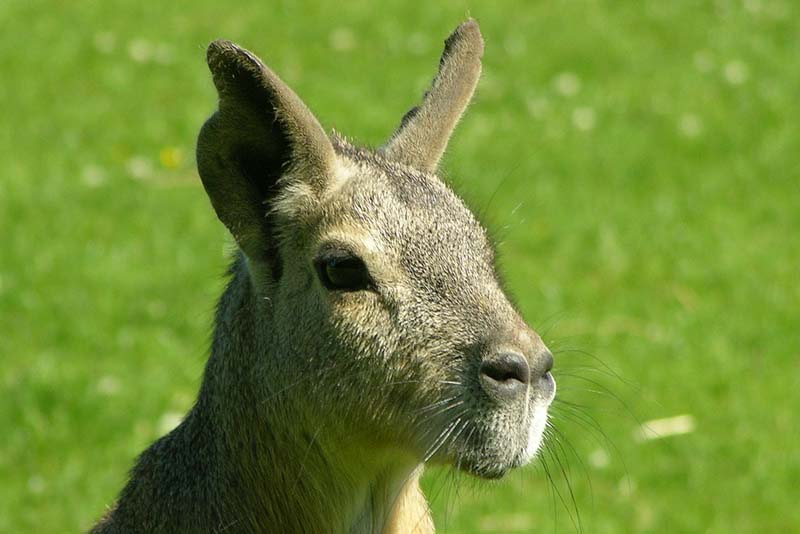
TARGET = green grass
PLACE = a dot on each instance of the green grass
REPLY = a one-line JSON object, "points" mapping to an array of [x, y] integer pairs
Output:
{"points": [[638, 160]]}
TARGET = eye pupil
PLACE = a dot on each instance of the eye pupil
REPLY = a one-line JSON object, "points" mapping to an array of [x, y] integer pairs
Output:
{"points": [[343, 273]]}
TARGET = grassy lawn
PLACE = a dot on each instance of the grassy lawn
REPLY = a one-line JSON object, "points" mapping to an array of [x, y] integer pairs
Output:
{"points": [[638, 161]]}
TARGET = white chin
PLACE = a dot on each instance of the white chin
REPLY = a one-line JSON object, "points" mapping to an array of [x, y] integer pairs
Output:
{"points": [[536, 433]]}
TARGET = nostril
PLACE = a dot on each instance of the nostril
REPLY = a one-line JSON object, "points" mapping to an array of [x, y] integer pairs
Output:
{"points": [[547, 362], [506, 369]]}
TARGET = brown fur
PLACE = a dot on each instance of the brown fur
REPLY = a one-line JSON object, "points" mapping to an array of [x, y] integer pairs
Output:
{"points": [[320, 406]]}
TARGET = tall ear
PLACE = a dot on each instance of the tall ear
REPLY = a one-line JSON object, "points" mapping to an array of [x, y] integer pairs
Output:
{"points": [[423, 133], [262, 132]]}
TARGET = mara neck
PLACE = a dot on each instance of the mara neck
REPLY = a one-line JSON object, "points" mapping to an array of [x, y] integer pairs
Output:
{"points": [[279, 467]]}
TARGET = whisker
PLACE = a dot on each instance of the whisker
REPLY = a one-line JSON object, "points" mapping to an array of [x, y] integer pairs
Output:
{"points": [[561, 498], [562, 439], [607, 367], [443, 438], [440, 411], [438, 403], [553, 487], [586, 421], [568, 481], [605, 392]]}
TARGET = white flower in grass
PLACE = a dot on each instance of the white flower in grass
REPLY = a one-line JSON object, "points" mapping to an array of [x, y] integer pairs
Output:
{"points": [[567, 84], [140, 50], [599, 459], [93, 175], [342, 39], [753, 6], [36, 485], [108, 385], [690, 125], [584, 118], [736, 72], [139, 167]]}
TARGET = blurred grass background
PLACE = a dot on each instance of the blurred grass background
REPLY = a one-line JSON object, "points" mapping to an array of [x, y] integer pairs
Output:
{"points": [[638, 159]]}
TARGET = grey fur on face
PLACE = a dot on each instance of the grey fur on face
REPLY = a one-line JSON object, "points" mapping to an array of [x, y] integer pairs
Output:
{"points": [[363, 333]]}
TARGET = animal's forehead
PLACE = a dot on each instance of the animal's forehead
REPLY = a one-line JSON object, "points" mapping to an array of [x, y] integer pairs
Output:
{"points": [[412, 215]]}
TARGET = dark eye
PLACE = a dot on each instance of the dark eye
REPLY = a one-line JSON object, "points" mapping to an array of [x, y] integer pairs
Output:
{"points": [[343, 271]]}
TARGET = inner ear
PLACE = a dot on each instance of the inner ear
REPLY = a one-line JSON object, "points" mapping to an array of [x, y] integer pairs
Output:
{"points": [[261, 166], [245, 150], [262, 169]]}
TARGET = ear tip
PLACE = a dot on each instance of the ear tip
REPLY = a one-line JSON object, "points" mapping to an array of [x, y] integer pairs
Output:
{"points": [[220, 56], [468, 33], [226, 58], [470, 25], [217, 49]]}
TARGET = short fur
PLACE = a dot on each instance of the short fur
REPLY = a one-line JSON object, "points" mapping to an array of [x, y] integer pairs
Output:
{"points": [[319, 407]]}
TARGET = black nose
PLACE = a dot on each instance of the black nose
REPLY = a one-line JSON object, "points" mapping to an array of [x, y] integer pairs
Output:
{"points": [[506, 374]]}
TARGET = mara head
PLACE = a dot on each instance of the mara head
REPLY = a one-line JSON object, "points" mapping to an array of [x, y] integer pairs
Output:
{"points": [[384, 328]]}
